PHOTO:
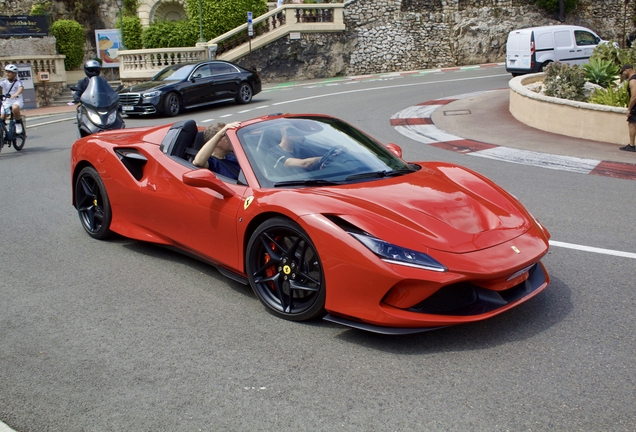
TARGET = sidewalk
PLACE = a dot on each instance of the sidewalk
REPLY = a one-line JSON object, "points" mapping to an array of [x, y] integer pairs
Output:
{"points": [[50, 110]]}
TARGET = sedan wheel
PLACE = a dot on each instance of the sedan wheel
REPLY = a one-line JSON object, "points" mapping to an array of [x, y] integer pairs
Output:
{"points": [[171, 105], [285, 272], [244, 94], [92, 203]]}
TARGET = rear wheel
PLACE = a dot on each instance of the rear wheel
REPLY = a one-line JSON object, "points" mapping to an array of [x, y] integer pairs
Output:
{"points": [[544, 66], [244, 94], [171, 105], [92, 203], [285, 271]]}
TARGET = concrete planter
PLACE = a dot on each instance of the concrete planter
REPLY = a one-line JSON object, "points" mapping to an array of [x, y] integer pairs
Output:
{"points": [[565, 117]]}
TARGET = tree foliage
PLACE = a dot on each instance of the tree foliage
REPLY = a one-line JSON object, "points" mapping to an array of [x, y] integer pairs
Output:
{"points": [[132, 32], [553, 5]]}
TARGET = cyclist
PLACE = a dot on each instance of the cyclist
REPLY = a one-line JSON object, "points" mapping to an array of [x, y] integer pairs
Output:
{"points": [[12, 87], [91, 69]]}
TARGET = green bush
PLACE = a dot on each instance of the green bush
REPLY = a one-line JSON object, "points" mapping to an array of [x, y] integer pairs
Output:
{"points": [[42, 8], [565, 81], [69, 41], [221, 16], [168, 34], [618, 97], [601, 72], [132, 32], [612, 53], [553, 5]]}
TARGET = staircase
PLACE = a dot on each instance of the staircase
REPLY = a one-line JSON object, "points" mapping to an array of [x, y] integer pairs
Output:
{"points": [[67, 95]]}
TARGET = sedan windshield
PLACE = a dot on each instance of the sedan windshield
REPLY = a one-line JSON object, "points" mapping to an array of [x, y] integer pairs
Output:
{"points": [[174, 73], [316, 151]]}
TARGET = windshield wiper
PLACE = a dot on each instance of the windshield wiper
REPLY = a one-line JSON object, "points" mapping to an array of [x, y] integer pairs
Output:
{"points": [[308, 182], [379, 174]]}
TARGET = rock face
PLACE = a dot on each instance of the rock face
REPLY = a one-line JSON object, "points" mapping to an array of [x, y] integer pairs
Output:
{"points": [[398, 35]]}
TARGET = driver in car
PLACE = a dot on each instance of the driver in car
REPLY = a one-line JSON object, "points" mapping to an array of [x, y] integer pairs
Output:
{"points": [[291, 155]]}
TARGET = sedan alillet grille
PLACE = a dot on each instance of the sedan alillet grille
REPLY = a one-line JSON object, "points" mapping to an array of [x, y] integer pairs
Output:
{"points": [[129, 98], [465, 299]]}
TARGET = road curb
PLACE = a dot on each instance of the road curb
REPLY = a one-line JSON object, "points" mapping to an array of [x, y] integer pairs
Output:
{"points": [[416, 123]]}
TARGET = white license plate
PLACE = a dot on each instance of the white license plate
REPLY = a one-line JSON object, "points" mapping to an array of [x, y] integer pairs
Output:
{"points": [[127, 108]]}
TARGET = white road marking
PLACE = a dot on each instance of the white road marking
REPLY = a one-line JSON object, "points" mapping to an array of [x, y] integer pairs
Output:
{"points": [[207, 121], [383, 88], [593, 249], [226, 115], [543, 160]]}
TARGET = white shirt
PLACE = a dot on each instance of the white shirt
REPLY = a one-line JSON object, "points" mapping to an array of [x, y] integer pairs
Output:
{"points": [[6, 87]]}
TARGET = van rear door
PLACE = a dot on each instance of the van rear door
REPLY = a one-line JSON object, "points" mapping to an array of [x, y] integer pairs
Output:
{"points": [[519, 50]]}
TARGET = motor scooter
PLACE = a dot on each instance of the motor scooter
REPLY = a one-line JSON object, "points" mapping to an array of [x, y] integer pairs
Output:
{"points": [[99, 108]]}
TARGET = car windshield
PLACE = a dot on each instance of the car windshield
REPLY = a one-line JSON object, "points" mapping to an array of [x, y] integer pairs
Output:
{"points": [[174, 73], [316, 151]]}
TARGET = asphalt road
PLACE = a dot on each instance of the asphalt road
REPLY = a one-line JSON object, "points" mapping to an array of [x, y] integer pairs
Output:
{"points": [[127, 336]]}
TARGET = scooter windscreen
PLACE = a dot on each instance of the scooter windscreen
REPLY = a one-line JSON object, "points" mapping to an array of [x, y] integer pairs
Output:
{"points": [[99, 94]]}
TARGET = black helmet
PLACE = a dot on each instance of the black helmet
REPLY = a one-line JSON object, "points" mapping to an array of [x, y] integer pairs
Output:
{"points": [[91, 68]]}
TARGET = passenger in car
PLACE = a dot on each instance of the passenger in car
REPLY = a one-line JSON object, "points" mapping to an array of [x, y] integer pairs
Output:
{"points": [[217, 153]]}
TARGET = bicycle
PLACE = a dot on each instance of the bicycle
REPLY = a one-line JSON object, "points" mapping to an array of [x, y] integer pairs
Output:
{"points": [[7, 132]]}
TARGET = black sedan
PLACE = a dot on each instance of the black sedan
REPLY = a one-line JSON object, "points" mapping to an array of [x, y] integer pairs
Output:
{"points": [[189, 85]]}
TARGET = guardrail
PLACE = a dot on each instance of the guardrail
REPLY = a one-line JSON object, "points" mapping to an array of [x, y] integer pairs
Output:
{"points": [[273, 25]]}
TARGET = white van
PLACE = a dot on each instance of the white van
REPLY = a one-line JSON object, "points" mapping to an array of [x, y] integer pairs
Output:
{"points": [[531, 50]]}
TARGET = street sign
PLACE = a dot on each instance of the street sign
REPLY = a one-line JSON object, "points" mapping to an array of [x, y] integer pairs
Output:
{"points": [[250, 27]]}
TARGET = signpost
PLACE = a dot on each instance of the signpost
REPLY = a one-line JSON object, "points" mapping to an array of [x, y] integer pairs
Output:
{"points": [[250, 33]]}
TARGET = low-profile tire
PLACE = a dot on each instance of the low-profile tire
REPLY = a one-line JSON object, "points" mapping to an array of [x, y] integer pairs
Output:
{"points": [[244, 94], [18, 141], [544, 65], [92, 204], [171, 105], [285, 271]]}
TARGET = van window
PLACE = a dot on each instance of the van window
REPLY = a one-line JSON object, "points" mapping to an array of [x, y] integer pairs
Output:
{"points": [[562, 39], [585, 38]]}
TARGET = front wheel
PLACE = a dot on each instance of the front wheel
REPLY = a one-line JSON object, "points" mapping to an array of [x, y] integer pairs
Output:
{"points": [[171, 105], [285, 271], [18, 141], [92, 203], [244, 94]]}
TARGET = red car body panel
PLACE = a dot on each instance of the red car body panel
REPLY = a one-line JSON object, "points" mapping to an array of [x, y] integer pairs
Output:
{"points": [[481, 233]]}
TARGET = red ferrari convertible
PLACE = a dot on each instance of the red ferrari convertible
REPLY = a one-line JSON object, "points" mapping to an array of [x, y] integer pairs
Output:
{"points": [[321, 220]]}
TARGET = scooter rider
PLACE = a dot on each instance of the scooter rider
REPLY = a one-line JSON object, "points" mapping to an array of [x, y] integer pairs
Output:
{"points": [[12, 87], [91, 69]]}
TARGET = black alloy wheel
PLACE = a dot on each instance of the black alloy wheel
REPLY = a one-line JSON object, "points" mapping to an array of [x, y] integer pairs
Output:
{"points": [[285, 272], [92, 203], [171, 105], [244, 94]]}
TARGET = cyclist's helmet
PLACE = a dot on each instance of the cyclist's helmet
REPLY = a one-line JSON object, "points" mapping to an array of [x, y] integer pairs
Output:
{"points": [[11, 68], [91, 68]]}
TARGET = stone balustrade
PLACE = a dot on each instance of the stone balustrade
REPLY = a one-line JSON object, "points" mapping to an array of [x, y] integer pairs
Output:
{"points": [[53, 64], [136, 65]]}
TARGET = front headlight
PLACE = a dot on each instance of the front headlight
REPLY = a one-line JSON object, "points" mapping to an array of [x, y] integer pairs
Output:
{"points": [[94, 117], [398, 255], [111, 118], [151, 94]]}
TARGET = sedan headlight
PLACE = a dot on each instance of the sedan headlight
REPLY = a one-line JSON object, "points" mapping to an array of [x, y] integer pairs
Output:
{"points": [[151, 94], [398, 255]]}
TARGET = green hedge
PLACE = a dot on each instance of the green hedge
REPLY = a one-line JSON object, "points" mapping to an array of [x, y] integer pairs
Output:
{"points": [[221, 16], [69, 40], [169, 34], [132, 32]]}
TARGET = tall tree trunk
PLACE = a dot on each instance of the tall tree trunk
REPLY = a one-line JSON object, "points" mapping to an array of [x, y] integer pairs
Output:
{"points": [[562, 10]]}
